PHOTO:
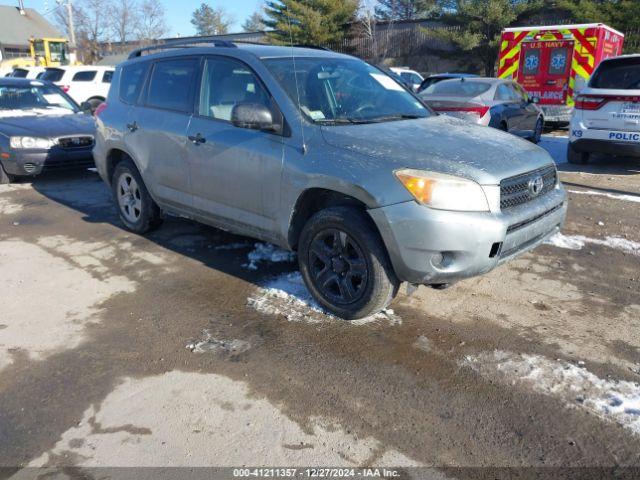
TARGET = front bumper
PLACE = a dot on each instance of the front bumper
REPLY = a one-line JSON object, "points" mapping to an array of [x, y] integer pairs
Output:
{"points": [[34, 162], [428, 246]]}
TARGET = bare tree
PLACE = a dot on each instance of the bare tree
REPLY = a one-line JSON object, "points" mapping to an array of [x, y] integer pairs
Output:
{"points": [[125, 18], [92, 25], [152, 23]]}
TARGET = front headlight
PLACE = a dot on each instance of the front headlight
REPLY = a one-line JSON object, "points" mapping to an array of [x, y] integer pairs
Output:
{"points": [[444, 192], [31, 143]]}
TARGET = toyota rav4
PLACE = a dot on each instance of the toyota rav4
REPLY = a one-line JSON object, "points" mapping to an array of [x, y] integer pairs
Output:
{"points": [[325, 155]]}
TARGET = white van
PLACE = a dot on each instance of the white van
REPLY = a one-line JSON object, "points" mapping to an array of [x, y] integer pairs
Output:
{"points": [[82, 83]]}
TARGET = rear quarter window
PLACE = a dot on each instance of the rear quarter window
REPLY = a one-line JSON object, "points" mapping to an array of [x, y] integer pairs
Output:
{"points": [[132, 81], [107, 76], [621, 74], [85, 76]]}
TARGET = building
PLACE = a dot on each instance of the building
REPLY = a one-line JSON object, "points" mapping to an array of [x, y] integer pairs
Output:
{"points": [[17, 26]]}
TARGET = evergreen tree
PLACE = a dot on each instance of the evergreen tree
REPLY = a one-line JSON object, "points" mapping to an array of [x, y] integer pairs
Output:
{"points": [[313, 22], [404, 9], [210, 21], [478, 25], [254, 23]]}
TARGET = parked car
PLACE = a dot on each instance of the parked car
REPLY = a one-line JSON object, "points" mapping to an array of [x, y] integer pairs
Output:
{"points": [[606, 117], [31, 73], [323, 154], [439, 77], [88, 84], [41, 128], [410, 77], [502, 104]]}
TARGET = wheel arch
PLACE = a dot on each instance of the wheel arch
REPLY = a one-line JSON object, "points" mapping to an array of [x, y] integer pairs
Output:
{"points": [[315, 199]]}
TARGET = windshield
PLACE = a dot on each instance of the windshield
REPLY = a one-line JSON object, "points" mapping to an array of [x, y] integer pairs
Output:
{"points": [[458, 88], [35, 97], [622, 73], [336, 90]]}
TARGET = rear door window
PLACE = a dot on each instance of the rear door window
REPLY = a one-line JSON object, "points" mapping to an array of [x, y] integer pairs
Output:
{"points": [[171, 84], [558, 61], [531, 61], [84, 76], [52, 75], [503, 93], [19, 73], [131, 82], [621, 73]]}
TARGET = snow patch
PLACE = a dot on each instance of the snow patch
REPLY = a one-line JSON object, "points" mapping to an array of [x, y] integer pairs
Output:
{"points": [[577, 242], [266, 252], [615, 196], [610, 400], [287, 295], [210, 344]]}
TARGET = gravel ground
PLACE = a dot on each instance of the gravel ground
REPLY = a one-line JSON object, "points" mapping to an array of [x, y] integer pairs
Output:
{"points": [[193, 347]]}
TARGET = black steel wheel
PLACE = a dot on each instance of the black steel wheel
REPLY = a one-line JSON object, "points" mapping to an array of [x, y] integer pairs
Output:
{"points": [[345, 264]]}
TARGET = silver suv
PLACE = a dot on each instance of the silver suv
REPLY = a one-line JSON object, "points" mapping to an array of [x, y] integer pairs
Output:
{"points": [[323, 154]]}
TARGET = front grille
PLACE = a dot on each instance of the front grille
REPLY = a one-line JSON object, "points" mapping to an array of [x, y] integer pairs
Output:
{"points": [[70, 143], [516, 190]]}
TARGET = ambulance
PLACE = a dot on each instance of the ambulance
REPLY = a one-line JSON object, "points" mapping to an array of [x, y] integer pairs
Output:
{"points": [[553, 63]]}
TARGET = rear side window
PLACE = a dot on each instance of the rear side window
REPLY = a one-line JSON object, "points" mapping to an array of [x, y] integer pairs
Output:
{"points": [[131, 82], [459, 88], [503, 93], [107, 76], [86, 76], [52, 75], [621, 73], [171, 84]]}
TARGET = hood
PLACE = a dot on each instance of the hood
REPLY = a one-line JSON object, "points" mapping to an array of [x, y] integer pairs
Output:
{"points": [[442, 144], [47, 126]]}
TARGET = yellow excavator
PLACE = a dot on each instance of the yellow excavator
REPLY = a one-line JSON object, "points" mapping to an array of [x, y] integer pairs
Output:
{"points": [[44, 52]]}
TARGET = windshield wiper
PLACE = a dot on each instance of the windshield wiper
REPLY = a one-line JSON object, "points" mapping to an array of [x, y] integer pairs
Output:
{"points": [[394, 117]]}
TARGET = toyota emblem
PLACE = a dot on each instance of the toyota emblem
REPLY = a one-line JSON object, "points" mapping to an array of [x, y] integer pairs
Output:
{"points": [[535, 186]]}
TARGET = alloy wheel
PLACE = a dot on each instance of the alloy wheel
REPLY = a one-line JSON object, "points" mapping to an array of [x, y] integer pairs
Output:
{"points": [[129, 198]]}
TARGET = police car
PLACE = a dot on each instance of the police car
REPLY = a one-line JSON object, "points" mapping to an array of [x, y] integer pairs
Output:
{"points": [[606, 118]]}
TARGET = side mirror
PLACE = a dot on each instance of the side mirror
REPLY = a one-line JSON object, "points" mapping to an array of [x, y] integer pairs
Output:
{"points": [[534, 100], [253, 116], [85, 107], [580, 84]]}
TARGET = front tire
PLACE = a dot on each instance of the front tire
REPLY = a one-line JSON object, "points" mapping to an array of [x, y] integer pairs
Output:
{"points": [[537, 132], [136, 208], [345, 265], [576, 158]]}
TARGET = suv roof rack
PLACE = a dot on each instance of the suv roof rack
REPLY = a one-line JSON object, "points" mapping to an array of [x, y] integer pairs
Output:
{"points": [[186, 43]]}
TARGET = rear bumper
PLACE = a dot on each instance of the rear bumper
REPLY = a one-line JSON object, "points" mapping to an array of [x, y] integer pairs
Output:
{"points": [[35, 162], [558, 114], [429, 246], [610, 142]]}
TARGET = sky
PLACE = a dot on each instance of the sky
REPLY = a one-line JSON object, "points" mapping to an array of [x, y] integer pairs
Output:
{"points": [[178, 11]]}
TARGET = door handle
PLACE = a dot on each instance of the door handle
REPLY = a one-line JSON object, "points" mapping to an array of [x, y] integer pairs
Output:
{"points": [[132, 126], [197, 139]]}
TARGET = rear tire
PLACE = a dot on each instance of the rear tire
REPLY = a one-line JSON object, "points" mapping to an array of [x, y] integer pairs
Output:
{"points": [[345, 265], [136, 208], [5, 178], [576, 158], [503, 126], [537, 132]]}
